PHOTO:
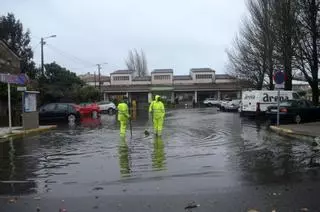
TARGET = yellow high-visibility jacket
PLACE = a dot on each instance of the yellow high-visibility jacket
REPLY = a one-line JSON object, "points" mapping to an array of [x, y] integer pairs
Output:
{"points": [[123, 112], [157, 108]]}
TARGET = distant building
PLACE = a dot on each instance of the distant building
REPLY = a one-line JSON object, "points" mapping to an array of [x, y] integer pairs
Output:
{"points": [[199, 84], [93, 79]]}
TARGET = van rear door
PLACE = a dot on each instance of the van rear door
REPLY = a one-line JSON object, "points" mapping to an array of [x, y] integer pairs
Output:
{"points": [[249, 99]]}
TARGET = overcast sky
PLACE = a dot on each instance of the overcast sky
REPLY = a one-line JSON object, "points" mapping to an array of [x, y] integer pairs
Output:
{"points": [[177, 34]]}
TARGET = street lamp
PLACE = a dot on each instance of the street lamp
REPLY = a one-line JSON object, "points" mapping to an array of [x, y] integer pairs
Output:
{"points": [[99, 77], [42, 44]]}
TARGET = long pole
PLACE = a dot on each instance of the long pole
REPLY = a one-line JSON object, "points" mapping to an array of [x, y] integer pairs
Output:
{"points": [[130, 113], [278, 110], [95, 85], [42, 62], [99, 79], [99, 76], [9, 108]]}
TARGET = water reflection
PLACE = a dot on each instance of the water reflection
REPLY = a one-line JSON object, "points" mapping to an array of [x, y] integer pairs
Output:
{"points": [[90, 122], [124, 160], [201, 143], [158, 156], [15, 171]]}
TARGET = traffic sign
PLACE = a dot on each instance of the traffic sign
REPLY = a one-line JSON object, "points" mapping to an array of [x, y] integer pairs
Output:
{"points": [[20, 79], [21, 88], [279, 86], [279, 77]]}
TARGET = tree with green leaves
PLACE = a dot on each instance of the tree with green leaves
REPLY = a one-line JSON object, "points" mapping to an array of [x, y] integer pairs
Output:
{"points": [[57, 83], [62, 85], [18, 40]]}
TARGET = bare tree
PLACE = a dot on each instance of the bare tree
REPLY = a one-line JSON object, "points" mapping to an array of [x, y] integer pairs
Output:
{"points": [[252, 54], [285, 24], [263, 35], [137, 63], [308, 43]]}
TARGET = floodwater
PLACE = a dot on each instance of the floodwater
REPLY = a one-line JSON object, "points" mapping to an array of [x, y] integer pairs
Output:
{"points": [[201, 150]]}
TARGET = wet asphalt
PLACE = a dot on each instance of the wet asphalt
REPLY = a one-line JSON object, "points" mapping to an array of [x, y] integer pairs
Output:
{"points": [[217, 160]]}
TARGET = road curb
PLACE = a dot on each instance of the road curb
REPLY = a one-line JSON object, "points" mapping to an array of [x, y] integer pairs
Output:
{"points": [[294, 134], [21, 133]]}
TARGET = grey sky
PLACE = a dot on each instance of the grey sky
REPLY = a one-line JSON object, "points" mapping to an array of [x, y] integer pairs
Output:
{"points": [[178, 34]]}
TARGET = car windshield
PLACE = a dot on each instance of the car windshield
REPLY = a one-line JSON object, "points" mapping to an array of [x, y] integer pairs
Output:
{"points": [[288, 103], [103, 103], [158, 123]]}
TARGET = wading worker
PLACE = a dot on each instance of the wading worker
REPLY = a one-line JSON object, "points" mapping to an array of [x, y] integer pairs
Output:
{"points": [[123, 116], [157, 111]]}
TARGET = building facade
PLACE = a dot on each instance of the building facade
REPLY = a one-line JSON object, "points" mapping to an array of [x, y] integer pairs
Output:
{"points": [[9, 63], [199, 84]]}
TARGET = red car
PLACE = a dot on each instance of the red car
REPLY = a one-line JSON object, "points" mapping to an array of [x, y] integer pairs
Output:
{"points": [[89, 109]]}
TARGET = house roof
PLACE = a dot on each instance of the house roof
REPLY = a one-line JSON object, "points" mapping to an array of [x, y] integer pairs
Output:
{"points": [[3, 43], [145, 78], [162, 71], [122, 72], [182, 77], [92, 78], [223, 76], [195, 70]]}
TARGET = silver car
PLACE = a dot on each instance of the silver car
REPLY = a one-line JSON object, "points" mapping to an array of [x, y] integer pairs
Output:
{"points": [[233, 105], [107, 107]]}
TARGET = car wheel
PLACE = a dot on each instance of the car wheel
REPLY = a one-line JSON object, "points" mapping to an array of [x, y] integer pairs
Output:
{"points": [[71, 118], [110, 111], [210, 105], [297, 118]]}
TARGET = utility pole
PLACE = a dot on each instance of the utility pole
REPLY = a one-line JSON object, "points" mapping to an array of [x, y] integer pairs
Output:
{"points": [[42, 64], [99, 77], [95, 80], [42, 44]]}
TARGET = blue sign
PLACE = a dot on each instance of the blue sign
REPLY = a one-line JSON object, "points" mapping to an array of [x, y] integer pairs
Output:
{"points": [[20, 79], [279, 77]]}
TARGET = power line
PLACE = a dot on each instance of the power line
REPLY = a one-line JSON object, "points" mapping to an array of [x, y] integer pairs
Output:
{"points": [[69, 55]]}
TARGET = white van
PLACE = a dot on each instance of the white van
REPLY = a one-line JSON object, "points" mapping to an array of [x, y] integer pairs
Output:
{"points": [[256, 102]]}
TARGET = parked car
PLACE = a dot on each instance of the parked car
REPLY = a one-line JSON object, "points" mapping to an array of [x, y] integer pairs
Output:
{"points": [[210, 102], [89, 109], [233, 105], [59, 112], [223, 104], [296, 111], [107, 107], [256, 102]]}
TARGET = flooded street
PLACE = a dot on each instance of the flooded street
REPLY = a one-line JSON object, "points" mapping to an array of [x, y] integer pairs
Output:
{"points": [[216, 159]]}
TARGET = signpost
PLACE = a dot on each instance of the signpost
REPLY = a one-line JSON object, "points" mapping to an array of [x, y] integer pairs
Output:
{"points": [[279, 77], [20, 79]]}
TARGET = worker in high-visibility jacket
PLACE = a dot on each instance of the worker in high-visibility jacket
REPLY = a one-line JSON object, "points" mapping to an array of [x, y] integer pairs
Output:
{"points": [[123, 116], [157, 111]]}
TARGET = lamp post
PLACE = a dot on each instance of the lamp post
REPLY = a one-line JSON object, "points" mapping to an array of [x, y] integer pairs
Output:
{"points": [[42, 44], [99, 77]]}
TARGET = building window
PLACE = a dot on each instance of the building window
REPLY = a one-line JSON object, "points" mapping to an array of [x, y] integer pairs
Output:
{"points": [[204, 76], [121, 78], [162, 77]]}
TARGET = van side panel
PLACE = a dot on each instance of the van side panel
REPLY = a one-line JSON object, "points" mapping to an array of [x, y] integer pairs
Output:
{"points": [[250, 99]]}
